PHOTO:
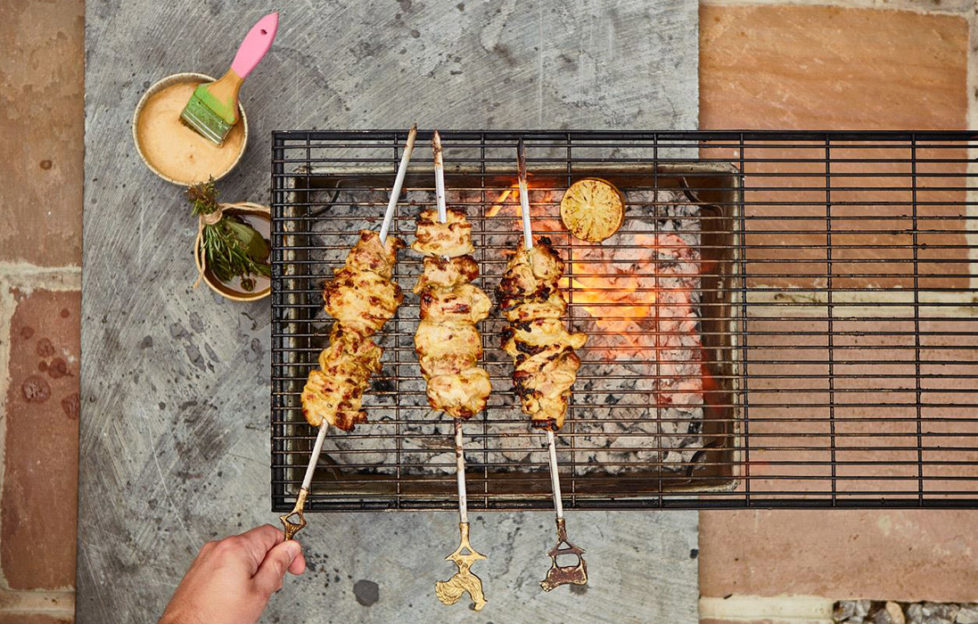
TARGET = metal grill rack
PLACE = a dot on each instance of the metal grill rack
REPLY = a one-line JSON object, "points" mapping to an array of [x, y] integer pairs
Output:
{"points": [[831, 307]]}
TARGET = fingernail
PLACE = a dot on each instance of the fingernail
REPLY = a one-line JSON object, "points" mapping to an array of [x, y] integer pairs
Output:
{"points": [[293, 549]]}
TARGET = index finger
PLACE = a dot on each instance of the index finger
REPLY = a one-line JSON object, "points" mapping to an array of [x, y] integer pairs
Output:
{"points": [[259, 540]]}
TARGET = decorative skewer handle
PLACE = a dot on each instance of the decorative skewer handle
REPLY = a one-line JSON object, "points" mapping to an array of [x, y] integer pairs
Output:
{"points": [[291, 526], [464, 580], [294, 526], [559, 575]]}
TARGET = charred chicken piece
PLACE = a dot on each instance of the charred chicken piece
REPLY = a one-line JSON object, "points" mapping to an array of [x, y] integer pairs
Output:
{"points": [[334, 392], [527, 310], [349, 354], [362, 296], [370, 255], [539, 334], [446, 273], [464, 303], [363, 302], [322, 399], [446, 348], [450, 239], [462, 394], [543, 382], [530, 274], [545, 365]]}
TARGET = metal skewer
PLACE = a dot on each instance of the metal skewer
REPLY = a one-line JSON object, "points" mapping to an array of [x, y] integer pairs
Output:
{"points": [[557, 575], [464, 556], [295, 520]]}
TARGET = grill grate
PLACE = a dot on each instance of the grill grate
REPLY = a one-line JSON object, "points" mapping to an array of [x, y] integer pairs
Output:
{"points": [[820, 283]]}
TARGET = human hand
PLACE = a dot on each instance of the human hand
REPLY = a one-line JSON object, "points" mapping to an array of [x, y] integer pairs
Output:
{"points": [[231, 580]]}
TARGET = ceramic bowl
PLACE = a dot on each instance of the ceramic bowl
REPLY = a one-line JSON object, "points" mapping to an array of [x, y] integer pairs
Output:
{"points": [[260, 219], [156, 88]]}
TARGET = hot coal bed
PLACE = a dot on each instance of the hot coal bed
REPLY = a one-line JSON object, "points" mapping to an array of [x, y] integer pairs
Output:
{"points": [[727, 245]]}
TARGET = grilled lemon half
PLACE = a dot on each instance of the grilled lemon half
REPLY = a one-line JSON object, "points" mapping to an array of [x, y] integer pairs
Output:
{"points": [[592, 209]]}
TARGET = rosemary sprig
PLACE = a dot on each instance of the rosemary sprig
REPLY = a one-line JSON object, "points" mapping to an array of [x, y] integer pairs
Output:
{"points": [[231, 247]]}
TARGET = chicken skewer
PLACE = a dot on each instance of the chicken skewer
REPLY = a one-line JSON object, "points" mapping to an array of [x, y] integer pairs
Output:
{"points": [[448, 347], [333, 393], [545, 362]]}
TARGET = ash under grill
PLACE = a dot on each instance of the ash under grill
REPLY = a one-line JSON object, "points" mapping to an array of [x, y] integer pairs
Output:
{"points": [[783, 320]]}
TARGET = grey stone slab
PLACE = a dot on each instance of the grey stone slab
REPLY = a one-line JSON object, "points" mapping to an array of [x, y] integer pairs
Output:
{"points": [[175, 382]]}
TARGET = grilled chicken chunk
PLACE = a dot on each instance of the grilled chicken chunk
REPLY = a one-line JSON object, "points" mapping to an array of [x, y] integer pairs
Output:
{"points": [[370, 255], [462, 304], [530, 273], [362, 296], [545, 365], [538, 334], [349, 353], [462, 394], [544, 386], [532, 309], [335, 391], [445, 348], [322, 399], [362, 301], [450, 239], [446, 272]]}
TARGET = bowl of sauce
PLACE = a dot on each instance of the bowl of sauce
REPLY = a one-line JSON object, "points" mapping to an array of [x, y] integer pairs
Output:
{"points": [[173, 150]]}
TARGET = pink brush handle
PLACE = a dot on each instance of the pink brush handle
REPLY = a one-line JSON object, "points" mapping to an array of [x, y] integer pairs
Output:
{"points": [[255, 45]]}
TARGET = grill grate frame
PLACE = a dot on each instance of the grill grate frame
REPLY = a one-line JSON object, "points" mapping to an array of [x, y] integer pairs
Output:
{"points": [[847, 306]]}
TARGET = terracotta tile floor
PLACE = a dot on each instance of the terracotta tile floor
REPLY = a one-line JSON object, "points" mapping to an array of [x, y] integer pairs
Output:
{"points": [[762, 66]]}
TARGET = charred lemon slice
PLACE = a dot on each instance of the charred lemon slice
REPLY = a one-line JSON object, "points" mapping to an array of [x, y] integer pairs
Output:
{"points": [[592, 209]]}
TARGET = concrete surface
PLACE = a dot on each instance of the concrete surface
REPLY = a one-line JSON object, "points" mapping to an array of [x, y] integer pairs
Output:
{"points": [[175, 390]]}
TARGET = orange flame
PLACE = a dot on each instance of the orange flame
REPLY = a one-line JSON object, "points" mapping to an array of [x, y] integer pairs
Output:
{"points": [[513, 191], [618, 302]]}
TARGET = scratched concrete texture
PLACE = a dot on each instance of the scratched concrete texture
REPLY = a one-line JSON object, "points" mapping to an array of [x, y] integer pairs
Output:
{"points": [[175, 381]]}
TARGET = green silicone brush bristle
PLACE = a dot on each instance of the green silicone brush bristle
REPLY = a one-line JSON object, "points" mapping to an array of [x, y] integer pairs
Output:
{"points": [[201, 116]]}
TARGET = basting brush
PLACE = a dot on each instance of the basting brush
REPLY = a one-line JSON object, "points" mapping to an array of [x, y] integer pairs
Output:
{"points": [[213, 108]]}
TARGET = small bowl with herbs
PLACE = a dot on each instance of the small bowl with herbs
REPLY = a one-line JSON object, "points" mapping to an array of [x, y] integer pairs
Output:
{"points": [[232, 249]]}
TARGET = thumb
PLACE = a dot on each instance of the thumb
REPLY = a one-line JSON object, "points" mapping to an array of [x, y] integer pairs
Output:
{"points": [[268, 579]]}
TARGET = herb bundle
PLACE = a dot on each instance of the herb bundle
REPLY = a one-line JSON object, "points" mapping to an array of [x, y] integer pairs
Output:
{"points": [[229, 246]]}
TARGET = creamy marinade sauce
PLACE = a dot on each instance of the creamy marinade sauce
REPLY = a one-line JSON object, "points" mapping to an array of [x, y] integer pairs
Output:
{"points": [[173, 148]]}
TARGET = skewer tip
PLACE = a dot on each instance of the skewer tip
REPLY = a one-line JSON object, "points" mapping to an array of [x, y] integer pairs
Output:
{"points": [[524, 194], [521, 160], [436, 148]]}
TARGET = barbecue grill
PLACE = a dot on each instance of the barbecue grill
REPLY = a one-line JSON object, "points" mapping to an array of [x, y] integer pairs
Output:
{"points": [[784, 320]]}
